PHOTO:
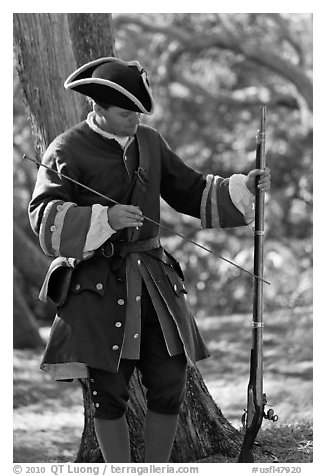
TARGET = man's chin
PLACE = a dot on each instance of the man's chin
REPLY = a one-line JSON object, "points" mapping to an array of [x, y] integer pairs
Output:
{"points": [[134, 130], [130, 131]]}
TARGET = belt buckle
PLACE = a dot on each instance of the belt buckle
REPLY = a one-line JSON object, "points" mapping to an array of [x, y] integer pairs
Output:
{"points": [[112, 250]]}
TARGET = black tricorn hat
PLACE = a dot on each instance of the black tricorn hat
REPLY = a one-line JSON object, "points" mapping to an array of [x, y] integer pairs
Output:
{"points": [[114, 82]]}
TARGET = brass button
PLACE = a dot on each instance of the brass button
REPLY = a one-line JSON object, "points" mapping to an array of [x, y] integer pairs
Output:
{"points": [[59, 207], [95, 392], [115, 347], [77, 287], [139, 262], [97, 405], [138, 298], [121, 302], [99, 286], [118, 324], [136, 336], [53, 228]]}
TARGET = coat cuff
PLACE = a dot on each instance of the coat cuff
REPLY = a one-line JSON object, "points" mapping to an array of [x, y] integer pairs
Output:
{"points": [[217, 207], [64, 228], [241, 196]]}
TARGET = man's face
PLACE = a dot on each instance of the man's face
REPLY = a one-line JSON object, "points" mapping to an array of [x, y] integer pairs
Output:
{"points": [[118, 121]]}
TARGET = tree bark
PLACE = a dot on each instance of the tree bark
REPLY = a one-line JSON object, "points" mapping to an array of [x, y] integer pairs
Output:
{"points": [[25, 328], [28, 258], [30, 266], [203, 431], [49, 47]]}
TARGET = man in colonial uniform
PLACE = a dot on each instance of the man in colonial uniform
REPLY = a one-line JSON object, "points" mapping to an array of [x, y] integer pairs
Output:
{"points": [[120, 296]]}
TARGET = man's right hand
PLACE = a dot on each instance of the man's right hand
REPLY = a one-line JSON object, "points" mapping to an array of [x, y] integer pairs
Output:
{"points": [[124, 216]]}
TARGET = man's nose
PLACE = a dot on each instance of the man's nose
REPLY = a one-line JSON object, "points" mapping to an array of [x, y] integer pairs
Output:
{"points": [[136, 118]]}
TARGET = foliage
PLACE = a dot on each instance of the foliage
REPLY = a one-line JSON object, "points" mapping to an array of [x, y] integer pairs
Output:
{"points": [[289, 444], [281, 444], [209, 72], [208, 91]]}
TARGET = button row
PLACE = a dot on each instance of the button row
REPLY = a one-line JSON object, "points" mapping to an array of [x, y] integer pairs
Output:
{"points": [[94, 392], [99, 286]]}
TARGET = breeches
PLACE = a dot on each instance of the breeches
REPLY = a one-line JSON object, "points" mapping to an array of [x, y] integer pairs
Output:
{"points": [[163, 376]]}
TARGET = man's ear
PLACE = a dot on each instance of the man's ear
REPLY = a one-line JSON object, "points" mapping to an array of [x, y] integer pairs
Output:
{"points": [[97, 109]]}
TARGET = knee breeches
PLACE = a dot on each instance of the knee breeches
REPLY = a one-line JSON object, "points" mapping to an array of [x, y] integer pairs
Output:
{"points": [[163, 376]]}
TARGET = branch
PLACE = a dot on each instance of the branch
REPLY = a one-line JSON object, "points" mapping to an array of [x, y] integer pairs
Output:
{"points": [[240, 98], [169, 31], [196, 43], [287, 35]]}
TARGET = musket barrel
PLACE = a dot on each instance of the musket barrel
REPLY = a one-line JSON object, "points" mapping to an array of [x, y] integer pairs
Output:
{"points": [[255, 396], [257, 331]]}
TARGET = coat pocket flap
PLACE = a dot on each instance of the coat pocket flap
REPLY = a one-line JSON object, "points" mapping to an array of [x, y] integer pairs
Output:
{"points": [[89, 281], [57, 281]]}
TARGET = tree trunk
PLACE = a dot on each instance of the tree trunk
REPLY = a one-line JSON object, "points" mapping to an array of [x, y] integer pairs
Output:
{"points": [[49, 48], [28, 258], [30, 266], [203, 431], [25, 331]]}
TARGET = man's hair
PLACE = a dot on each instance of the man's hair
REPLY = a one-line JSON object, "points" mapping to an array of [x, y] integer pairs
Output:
{"points": [[103, 104], [99, 103]]}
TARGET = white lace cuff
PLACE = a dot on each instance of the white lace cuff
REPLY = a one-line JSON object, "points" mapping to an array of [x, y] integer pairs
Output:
{"points": [[241, 196], [99, 230]]}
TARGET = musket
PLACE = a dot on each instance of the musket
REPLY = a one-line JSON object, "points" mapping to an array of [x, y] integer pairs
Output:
{"points": [[112, 201], [256, 399]]}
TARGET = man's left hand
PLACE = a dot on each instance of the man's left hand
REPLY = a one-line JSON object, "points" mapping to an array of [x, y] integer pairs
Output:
{"points": [[264, 182]]}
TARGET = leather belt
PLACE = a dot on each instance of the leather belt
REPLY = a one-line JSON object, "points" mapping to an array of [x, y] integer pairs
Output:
{"points": [[118, 248]]}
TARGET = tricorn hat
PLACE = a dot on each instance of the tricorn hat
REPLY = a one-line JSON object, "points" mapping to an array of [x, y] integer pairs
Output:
{"points": [[114, 82]]}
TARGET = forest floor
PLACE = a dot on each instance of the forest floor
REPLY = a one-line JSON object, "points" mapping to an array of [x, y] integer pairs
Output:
{"points": [[48, 415]]}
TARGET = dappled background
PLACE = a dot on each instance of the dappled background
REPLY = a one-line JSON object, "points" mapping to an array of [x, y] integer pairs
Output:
{"points": [[209, 73]]}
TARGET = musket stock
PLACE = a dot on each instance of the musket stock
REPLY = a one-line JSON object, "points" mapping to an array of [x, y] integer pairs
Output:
{"points": [[256, 399]]}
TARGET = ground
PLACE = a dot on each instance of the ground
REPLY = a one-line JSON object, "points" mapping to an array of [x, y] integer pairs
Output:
{"points": [[48, 415]]}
